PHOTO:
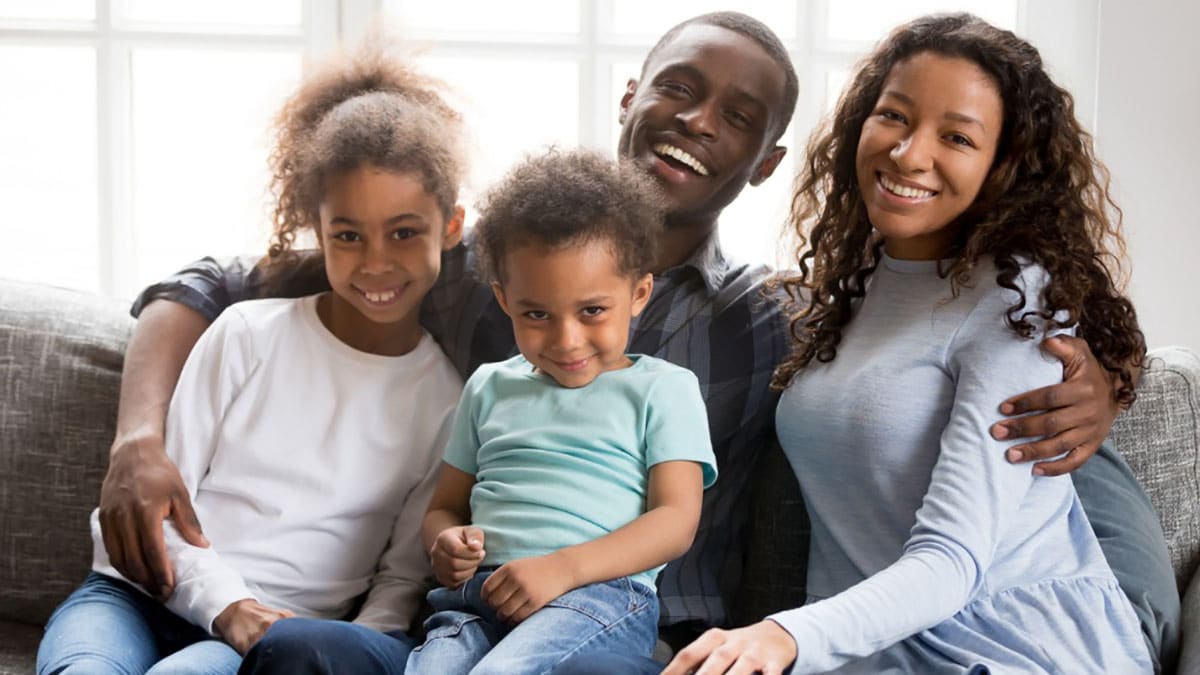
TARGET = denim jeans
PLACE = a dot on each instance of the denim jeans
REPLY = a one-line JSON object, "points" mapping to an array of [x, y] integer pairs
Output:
{"points": [[107, 626], [464, 635], [325, 647]]}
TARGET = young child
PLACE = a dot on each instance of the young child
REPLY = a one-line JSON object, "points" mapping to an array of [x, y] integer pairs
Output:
{"points": [[308, 431], [574, 471], [955, 213]]}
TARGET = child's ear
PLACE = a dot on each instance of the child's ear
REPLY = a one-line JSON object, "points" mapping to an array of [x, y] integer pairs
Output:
{"points": [[630, 90], [498, 291], [454, 228], [768, 165], [641, 292]]}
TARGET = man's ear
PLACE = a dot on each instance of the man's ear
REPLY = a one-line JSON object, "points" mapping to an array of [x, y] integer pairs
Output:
{"points": [[641, 293], [498, 291], [768, 165], [630, 90], [454, 228]]}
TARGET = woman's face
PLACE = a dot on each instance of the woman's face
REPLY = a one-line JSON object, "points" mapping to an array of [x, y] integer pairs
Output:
{"points": [[925, 151]]}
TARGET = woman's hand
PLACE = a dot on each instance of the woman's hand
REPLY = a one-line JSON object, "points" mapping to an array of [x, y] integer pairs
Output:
{"points": [[243, 623], [1071, 417], [764, 647]]}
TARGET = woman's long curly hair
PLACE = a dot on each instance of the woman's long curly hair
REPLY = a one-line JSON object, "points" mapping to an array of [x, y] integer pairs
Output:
{"points": [[369, 108], [1045, 200]]}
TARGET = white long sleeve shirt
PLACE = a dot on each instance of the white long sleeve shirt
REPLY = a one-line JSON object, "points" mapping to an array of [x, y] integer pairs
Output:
{"points": [[310, 465]]}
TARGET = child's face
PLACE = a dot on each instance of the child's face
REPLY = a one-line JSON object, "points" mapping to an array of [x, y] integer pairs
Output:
{"points": [[925, 151], [571, 308], [382, 235], [713, 95]]}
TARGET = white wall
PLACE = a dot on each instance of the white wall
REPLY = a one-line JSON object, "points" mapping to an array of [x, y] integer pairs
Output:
{"points": [[1147, 107]]}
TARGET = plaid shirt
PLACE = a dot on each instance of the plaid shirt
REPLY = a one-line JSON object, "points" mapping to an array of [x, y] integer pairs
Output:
{"points": [[706, 315]]}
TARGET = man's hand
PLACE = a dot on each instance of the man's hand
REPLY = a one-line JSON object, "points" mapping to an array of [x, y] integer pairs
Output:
{"points": [[141, 489], [243, 623], [1072, 417], [522, 587], [456, 554], [764, 647]]}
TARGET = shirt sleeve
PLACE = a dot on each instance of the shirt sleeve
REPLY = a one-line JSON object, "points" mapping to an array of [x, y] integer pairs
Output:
{"points": [[404, 572], [215, 372], [209, 285], [677, 423], [462, 450], [973, 496]]}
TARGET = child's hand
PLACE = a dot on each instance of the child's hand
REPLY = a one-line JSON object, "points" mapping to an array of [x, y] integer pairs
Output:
{"points": [[243, 623], [524, 586], [456, 554]]}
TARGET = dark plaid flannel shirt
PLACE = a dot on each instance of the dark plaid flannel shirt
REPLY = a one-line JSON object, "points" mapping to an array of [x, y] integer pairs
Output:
{"points": [[707, 315]]}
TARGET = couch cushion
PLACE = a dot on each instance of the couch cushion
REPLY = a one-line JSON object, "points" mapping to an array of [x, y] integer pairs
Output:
{"points": [[1160, 438], [60, 369]]}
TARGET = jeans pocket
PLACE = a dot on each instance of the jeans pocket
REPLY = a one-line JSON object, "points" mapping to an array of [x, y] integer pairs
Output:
{"points": [[606, 602]]}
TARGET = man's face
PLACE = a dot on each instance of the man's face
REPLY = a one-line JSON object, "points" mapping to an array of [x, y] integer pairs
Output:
{"points": [[702, 120]]}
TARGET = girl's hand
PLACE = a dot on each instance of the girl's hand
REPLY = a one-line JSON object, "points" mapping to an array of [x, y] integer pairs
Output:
{"points": [[522, 587], [456, 554], [243, 623], [1071, 417], [764, 647]]}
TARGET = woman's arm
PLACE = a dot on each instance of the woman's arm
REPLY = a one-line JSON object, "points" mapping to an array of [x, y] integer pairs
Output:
{"points": [[661, 534]]}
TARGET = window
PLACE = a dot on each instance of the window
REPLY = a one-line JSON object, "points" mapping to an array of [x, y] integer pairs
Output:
{"points": [[140, 132], [139, 137]]}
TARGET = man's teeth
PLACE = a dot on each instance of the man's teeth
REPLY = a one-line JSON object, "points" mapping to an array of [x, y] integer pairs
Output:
{"points": [[904, 190], [379, 297], [682, 157]]}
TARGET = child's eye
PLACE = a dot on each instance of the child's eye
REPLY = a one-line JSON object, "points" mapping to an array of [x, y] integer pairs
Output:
{"points": [[346, 236], [537, 315], [404, 233], [593, 311]]}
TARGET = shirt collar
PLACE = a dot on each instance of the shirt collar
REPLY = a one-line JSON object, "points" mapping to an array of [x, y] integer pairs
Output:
{"points": [[709, 262]]}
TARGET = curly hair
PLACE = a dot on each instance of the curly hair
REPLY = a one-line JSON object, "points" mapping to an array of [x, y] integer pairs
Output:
{"points": [[560, 199], [1045, 200], [367, 108], [760, 33]]}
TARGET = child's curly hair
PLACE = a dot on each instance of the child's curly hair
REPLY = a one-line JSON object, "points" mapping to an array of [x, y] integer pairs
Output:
{"points": [[368, 108], [1045, 200], [562, 199]]}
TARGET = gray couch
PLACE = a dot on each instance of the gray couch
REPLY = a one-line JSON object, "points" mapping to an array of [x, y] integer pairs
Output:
{"points": [[60, 365]]}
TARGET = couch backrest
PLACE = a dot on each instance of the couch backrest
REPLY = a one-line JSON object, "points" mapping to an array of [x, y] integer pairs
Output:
{"points": [[1160, 438], [60, 370]]}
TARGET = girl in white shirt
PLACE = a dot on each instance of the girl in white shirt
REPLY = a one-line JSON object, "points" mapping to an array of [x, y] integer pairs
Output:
{"points": [[308, 431]]}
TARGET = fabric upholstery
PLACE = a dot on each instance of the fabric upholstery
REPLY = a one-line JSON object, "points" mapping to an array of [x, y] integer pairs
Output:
{"points": [[60, 366]]}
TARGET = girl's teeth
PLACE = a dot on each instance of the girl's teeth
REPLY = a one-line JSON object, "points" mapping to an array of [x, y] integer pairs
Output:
{"points": [[903, 190], [380, 297]]}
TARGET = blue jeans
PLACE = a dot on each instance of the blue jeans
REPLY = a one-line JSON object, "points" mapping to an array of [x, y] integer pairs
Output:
{"points": [[107, 626], [465, 635], [324, 647]]}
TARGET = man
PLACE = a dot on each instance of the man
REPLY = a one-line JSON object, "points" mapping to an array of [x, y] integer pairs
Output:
{"points": [[705, 117]]}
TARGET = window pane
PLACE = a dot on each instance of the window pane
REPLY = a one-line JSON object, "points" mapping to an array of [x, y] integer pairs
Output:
{"points": [[870, 20], [277, 13], [488, 16], [200, 142], [835, 81], [48, 166], [77, 10], [506, 120], [652, 19], [750, 227]]}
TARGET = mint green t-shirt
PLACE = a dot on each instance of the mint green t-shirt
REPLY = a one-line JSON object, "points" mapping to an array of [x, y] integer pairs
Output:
{"points": [[555, 466]]}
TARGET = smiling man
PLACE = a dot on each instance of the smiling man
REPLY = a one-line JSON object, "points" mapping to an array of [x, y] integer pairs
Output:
{"points": [[705, 118]]}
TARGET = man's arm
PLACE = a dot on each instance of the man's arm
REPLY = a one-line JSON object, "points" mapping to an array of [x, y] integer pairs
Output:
{"points": [[143, 486], [1071, 417]]}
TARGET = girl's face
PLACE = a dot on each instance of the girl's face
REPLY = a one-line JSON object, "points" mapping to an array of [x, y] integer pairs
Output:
{"points": [[571, 308], [383, 236], [925, 151]]}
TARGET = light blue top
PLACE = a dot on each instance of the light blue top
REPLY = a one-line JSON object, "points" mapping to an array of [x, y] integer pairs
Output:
{"points": [[555, 467], [931, 553]]}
